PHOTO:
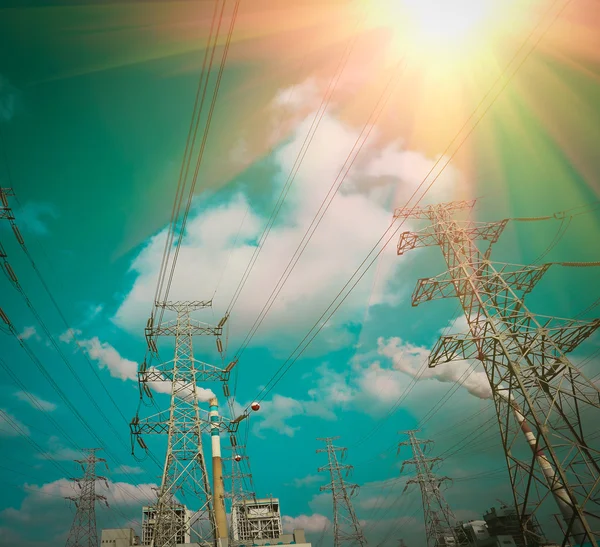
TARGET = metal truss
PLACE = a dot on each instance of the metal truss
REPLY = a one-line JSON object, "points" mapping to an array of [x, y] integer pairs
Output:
{"points": [[183, 422], [439, 519], [238, 493], [539, 394], [346, 528], [83, 530]]}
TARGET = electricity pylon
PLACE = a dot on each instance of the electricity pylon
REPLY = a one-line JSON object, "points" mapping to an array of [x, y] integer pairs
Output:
{"points": [[439, 519], [185, 466], [238, 492], [83, 530], [346, 528], [538, 393]]}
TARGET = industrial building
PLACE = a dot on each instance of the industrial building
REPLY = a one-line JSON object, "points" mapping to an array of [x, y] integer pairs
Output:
{"points": [[296, 538], [183, 515], [119, 537], [256, 519], [500, 528], [125, 537]]}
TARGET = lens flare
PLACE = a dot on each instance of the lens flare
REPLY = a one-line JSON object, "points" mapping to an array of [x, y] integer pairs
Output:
{"points": [[445, 29], [443, 22]]}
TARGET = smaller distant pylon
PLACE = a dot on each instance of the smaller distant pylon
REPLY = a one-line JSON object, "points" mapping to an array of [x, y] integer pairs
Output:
{"points": [[83, 531], [346, 528]]}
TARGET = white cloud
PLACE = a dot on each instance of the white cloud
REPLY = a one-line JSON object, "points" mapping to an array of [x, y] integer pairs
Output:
{"points": [[69, 335], [43, 516], [29, 332], [57, 451], [308, 523], [128, 470], [105, 354], [308, 480], [185, 390], [300, 96], [412, 360], [351, 226], [37, 402], [274, 414], [120, 367], [93, 311], [10, 426], [376, 383], [412, 168]]}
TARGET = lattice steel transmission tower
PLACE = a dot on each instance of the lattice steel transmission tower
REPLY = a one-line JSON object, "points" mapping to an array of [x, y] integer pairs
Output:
{"points": [[185, 465], [346, 528], [439, 519], [237, 491], [538, 393], [83, 530]]}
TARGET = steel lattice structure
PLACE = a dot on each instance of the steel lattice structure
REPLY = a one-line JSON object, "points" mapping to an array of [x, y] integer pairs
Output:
{"points": [[439, 519], [83, 530], [185, 465], [346, 528], [237, 493], [538, 393]]}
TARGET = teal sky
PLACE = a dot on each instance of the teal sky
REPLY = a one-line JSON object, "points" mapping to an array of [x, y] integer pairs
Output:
{"points": [[95, 105]]}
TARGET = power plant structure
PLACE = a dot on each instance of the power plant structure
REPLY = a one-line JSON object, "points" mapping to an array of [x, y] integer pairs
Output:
{"points": [[539, 394], [183, 518], [256, 519]]}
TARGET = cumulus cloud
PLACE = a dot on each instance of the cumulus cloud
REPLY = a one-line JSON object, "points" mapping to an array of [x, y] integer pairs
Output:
{"points": [[29, 332], [185, 390], [275, 413], [309, 523], [412, 360], [351, 226], [120, 367], [58, 451], [35, 401], [128, 470], [11, 426], [69, 335], [104, 354], [42, 515], [108, 357], [306, 481]]}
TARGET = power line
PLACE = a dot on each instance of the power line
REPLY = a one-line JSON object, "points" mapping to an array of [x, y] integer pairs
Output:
{"points": [[350, 283]]}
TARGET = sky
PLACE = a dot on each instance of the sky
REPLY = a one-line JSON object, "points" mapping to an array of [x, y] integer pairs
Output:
{"points": [[350, 106]]}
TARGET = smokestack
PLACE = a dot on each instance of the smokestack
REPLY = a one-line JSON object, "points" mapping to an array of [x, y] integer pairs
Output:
{"points": [[217, 463], [554, 483]]}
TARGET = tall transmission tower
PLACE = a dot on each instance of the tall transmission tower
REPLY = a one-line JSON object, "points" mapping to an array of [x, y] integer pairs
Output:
{"points": [[83, 530], [439, 519], [538, 393], [185, 466], [346, 528]]}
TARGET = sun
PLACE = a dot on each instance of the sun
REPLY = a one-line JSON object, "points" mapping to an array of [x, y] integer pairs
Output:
{"points": [[445, 22], [441, 28]]}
